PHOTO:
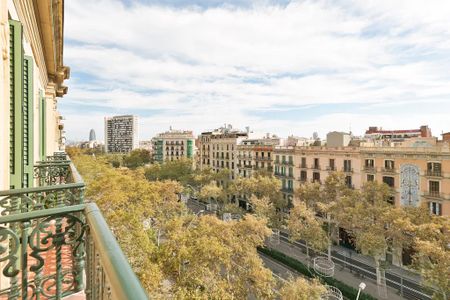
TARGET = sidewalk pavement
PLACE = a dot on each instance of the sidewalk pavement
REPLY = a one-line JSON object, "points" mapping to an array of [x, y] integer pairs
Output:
{"points": [[367, 260], [342, 274], [405, 273]]}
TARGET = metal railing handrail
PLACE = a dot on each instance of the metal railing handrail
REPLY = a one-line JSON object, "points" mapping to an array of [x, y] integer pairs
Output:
{"points": [[36, 214], [53, 162], [76, 177], [41, 189], [123, 281]]}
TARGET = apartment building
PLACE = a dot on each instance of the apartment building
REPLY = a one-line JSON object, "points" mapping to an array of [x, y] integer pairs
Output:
{"points": [[415, 174], [417, 169], [256, 154], [121, 134], [173, 145], [218, 149], [284, 165], [298, 165], [31, 82], [295, 165]]}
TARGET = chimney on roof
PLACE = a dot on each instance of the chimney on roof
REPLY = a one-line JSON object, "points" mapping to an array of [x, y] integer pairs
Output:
{"points": [[425, 131]]}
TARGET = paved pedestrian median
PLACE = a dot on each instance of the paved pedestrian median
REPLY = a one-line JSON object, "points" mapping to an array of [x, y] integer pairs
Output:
{"points": [[347, 291]]}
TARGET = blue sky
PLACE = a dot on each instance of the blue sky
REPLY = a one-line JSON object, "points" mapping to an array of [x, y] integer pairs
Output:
{"points": [[284, 67]]}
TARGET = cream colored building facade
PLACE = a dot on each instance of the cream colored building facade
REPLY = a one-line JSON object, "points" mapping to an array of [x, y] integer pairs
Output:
{"points": [[31, 80], [297, 165], [255, 154], [416, 174], [173, 145], [218, 149], [32, 76]]}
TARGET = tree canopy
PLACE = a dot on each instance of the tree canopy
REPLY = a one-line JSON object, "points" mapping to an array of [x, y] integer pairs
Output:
{"points": [[178, 254]]}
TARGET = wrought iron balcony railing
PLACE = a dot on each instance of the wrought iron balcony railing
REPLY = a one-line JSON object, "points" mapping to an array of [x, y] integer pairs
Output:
{"points": [[347, 170], [370, 169], [303, 179], [433, 173], [388, 170], [262, 158], [52, 244], [433, 194]]}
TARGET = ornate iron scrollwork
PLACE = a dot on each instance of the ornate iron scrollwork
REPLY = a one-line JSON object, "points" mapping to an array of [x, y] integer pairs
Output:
{"points": [[54, 255], [25, 202], [10, 253], [52, 173]]}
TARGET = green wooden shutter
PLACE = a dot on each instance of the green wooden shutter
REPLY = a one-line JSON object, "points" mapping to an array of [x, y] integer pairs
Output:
{"points": [[42, 127], [16, 94], [27, 109]]}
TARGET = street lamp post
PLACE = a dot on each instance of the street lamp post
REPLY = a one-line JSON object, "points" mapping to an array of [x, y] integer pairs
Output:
{"points": [[362, 286], [196, 214]]}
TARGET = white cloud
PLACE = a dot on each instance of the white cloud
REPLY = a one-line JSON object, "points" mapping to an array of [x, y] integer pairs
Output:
{"points": [[206, 67]]}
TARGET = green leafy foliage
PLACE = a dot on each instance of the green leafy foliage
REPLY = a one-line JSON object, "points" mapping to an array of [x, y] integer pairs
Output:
{"points": [[136, 158], [180, 170], [177, 255]]}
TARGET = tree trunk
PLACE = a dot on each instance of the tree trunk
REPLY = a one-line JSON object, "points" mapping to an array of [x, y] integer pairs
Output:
{"points": [[381, 279], [307, 253], [377, 268], [329, 235]]}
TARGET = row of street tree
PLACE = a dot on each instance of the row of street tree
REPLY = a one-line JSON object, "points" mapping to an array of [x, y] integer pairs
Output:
{"points": [[318, 212], [315, 216], [177, 254]]}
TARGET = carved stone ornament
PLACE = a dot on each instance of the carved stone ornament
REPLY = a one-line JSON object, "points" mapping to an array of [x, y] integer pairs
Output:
{"points": [[4, 39]]}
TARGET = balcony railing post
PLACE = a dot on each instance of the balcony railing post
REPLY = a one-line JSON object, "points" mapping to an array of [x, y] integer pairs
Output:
{"points": [[24, 258], [80, 255], [14, 249]]}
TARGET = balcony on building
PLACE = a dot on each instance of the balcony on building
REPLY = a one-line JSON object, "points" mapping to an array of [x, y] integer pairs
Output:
{"points": [[389, 167], [369, 169], [433, 173], [433, 169], [56, 245], [433, 194], [369, 166]]}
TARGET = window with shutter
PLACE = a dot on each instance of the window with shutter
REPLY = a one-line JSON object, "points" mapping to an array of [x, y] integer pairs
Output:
{"points": [[27, 109], [16, 96]]}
